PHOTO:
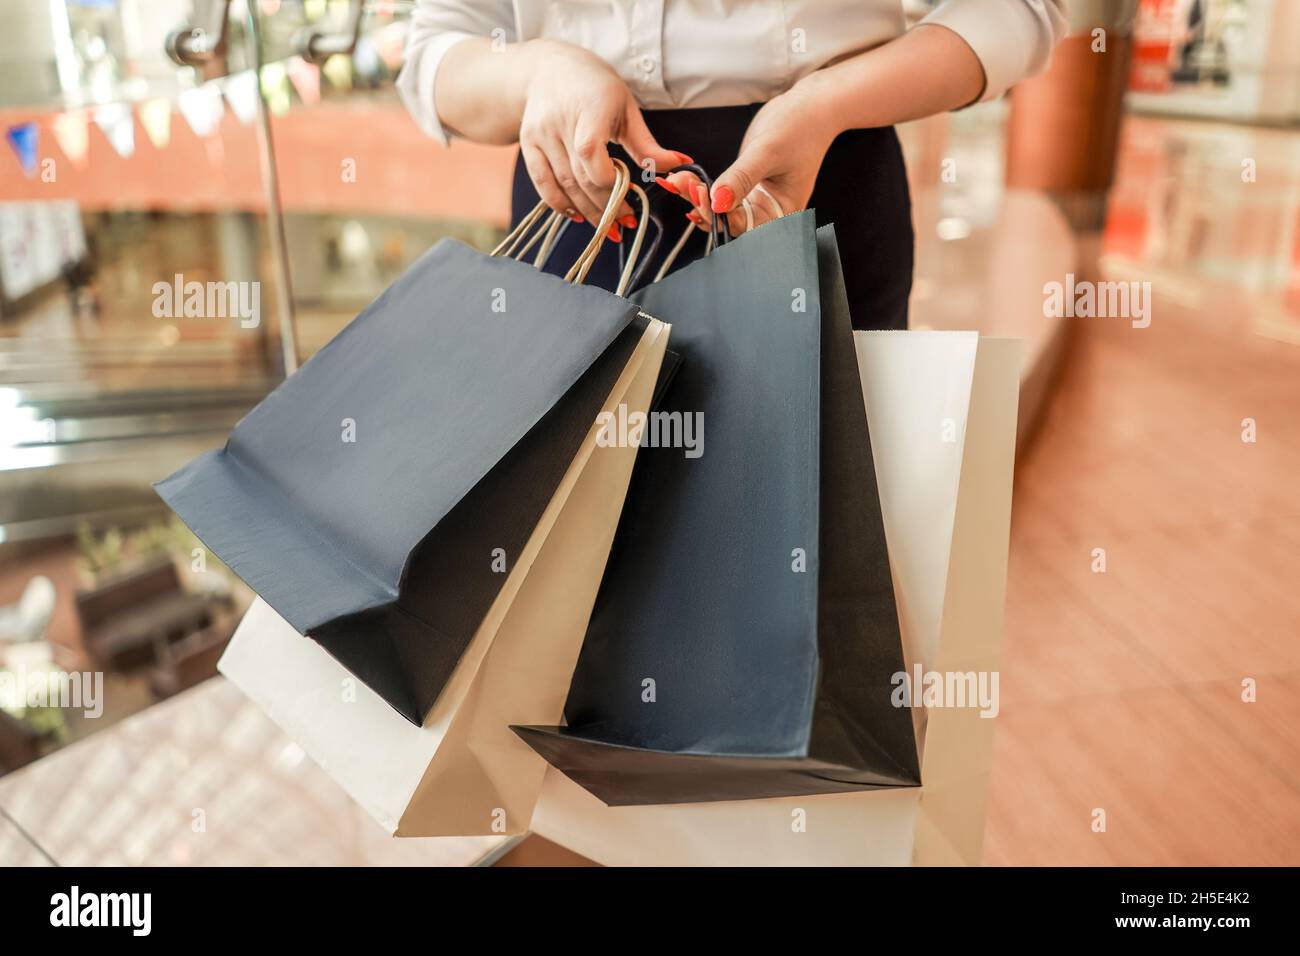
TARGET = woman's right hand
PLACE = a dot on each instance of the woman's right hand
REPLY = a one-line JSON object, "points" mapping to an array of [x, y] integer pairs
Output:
{"points": [[576, 105]]}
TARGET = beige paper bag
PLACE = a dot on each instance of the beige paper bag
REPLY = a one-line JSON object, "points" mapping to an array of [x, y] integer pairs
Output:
{"points": [[942, 411], [464, 772]]}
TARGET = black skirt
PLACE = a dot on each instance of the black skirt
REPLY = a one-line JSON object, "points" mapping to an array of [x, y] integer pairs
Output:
{"points": [[861, 188]]}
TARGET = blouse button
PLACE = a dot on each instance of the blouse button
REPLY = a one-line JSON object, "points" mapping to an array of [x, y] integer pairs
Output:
{"points": [[647, 65]]}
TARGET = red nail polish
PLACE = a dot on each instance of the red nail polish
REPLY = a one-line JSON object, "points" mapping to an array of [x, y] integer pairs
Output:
{"points": [[667, 185], [615, 233], [683, 159], [629, 221], [723, 198], [577, 217], [695, 218]]}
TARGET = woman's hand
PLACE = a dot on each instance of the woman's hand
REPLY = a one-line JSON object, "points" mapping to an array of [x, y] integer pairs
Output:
{"points": [[777, 165], [575, 105], [883, 86]]}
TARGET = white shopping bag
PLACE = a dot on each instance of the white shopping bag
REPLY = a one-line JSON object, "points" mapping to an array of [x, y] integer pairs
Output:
{"points": [[463, 772], [942, 411]]}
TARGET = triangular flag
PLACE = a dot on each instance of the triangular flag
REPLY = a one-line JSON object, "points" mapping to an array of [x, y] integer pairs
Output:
{"points": [[25, 140], [156, 118], [391, 44], [118, 126], [72, 132], [306, 79], [275, 88], [240, 90], [202, 109], [338, 70], [365, 59]]}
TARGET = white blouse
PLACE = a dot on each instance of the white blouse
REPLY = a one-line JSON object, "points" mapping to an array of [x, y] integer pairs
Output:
{"points": [[694, 53]]}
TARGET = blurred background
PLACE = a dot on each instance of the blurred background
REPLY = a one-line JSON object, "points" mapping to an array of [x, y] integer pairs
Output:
{"points": [[262, 141]]}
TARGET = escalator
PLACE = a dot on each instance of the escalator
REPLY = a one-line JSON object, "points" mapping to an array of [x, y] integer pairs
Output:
{"points": [[143, 149], [83, 433]]}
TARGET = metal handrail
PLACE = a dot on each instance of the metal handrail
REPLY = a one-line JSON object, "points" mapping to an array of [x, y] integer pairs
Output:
{"points": [[316, 46], [193, 46], [201, 43]]}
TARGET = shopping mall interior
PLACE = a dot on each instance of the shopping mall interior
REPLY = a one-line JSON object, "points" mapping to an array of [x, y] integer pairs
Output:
{"points": [[1166, 449]]}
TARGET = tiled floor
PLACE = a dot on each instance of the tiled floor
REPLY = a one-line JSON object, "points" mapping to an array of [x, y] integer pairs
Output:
{"points": [[1123, 690], [17, 849], [202, 779]]}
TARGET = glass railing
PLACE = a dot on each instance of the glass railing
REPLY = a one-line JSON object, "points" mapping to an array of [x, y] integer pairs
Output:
{"points": [[195, 195]]}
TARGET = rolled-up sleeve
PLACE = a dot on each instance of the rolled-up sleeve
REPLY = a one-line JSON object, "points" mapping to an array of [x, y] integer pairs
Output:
{"points": [[436, 27], [1012, 38]]}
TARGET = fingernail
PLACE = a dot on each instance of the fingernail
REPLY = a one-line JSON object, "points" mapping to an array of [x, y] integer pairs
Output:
{"points": [[629, 220], [695, 218], [667, 185], [577, 217], [615, 233], [723, 198], [683, 159]]}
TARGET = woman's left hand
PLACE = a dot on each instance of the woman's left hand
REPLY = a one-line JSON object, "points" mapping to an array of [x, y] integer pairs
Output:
{"points": [[776, 168]]}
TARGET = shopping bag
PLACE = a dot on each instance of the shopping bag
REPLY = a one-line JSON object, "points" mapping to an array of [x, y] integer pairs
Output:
{"points": [[461, 771], [947, 508], [745, 636], [380, 499]]}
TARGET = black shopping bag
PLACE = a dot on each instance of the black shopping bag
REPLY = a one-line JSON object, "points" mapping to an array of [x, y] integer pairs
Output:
{"points": [[745, 637], [381, 496]]}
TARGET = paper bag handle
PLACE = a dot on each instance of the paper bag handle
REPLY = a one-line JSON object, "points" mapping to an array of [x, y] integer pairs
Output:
{"points": [[546, 229], [719, 229]]}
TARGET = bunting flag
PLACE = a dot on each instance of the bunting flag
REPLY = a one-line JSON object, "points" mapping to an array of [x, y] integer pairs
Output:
{"points": [[306, 79], [117, 123], [156, 118], [25, 141], [276, 90], [72, 133], [365, 59], [201, 106], [338, 70], [202, 109], [390, 41], [240, 90]]}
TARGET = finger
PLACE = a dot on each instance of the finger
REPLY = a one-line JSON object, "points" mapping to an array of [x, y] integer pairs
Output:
{"points": [[691, 188], [558, 158], [641, 145], [544, 181], [741, 223], [700, 215], [598, 192], [738, 181], [675, 183], [589, 152], [592, 179], [737, 222]]}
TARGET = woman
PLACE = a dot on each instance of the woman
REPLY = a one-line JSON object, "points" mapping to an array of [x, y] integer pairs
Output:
{"points": [[787, 104]]}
